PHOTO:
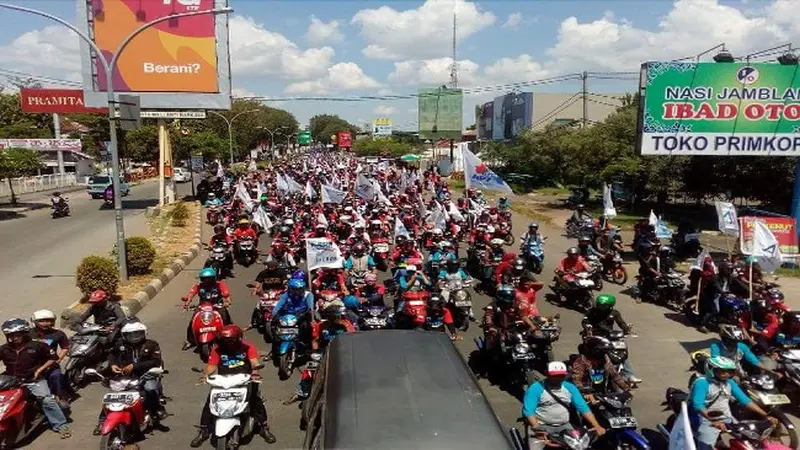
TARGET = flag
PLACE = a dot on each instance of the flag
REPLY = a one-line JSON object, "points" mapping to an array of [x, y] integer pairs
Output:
{"points": [[766, 247], [252, 167], [680, 437], [244, 196], [699, 261], [653, 219], [478, 175], [310, 193], [662, 231], [364, 188], [262, 219], [322, 252], [727, 222], [455, 214], [281, 183], [381, 198], [609, 212], [220, 169], [294, 186], [321, 219], [439, 217], [332, 195], [399, 228]]}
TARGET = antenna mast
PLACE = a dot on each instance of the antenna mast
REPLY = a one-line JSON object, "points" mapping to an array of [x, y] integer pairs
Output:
{"points": [[454, 66]]}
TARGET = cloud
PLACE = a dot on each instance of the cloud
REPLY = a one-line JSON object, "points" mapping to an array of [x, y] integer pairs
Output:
{"points": [[258, 51], [513, 21], [320, 32], [241, 92], [434, 72], [51, 50], [339, 77], [422, 33], [385, 110]]}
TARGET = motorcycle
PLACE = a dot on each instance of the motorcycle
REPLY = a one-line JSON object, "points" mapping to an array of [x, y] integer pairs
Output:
{"points": [[415, 310], [213, 215], [262, 315], [597, 271], [380, 253], [289, 344], [459, 301], [619, 352], [374, 317], [574, 439], [670, 290], [731, 310], [614, 268], [206, 323], [527, 353], [216, 260], [614, 413], [229, 402], [685, 242], [60, 207], [86, 351], [503, 232], [126, 419], [20, 415], [534, 256], [326, 297], [576, 290], [577, 229], [246, 252]]}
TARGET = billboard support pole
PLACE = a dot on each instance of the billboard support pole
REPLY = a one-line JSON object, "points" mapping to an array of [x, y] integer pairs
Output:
{"points": [[796, 192], [452, 145], [584, 77], [109, 66]]}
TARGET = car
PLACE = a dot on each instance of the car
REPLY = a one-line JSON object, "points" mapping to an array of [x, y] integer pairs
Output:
{"points": [[181, 175], [97, 184]]}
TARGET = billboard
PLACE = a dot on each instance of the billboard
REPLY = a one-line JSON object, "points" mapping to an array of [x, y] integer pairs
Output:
{"points": [[345, 139], [440, 113], [518, 112], [499, 122], [783, 228], [485, 131], [719, 109], [382, 127], [175, 64], [60, 101], [42, 144]]}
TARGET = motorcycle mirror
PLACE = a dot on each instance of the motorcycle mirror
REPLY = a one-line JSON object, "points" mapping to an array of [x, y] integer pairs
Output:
{"points": [[92, 372], [197, 370]]}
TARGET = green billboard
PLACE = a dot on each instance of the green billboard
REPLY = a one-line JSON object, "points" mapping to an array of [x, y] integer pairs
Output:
{"points": [[719, 109], [304, 137], [440, 113]]}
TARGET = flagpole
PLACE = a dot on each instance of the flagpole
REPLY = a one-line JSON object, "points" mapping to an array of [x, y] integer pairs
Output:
{"points": [[751, 279]]}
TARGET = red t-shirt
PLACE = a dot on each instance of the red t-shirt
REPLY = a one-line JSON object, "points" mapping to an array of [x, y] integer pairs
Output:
{"points": [[525, 302], [234, 362]]}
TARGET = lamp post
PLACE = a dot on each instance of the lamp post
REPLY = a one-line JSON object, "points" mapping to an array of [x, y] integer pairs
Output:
{"points": [[230, 127], [289, 140], [109, 67], [272, 137]]}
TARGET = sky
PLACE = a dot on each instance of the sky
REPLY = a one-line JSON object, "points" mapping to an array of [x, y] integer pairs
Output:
{"points": [[296, 48]]}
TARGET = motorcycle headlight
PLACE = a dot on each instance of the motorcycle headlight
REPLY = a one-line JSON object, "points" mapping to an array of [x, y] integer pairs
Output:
{"points": [[577, 441], [288, 321], [461, 295], [521, 348], [765, 382], [206, 317]]}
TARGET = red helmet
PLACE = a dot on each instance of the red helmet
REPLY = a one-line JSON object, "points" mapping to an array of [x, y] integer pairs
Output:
{"points": [[98, 296], [231, 332]]}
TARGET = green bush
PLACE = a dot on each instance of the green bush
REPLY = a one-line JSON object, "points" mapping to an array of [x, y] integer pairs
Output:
{"points": [[180, 214], [140, 254], [96, 272]]}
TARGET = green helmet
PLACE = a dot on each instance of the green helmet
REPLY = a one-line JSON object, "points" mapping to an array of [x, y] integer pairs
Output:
{"points": [[719, 363], [263, 198], [607, 300], [208, 272]]}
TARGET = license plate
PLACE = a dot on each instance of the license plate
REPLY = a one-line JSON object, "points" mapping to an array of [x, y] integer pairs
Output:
{"points": [[522, 356], [375, 322], [775, 399], [228, 396], [620, 345], [622, 422], [116, 398], [381, 248], [288, 330], [463, 303], [208, 329], [586, 282], [311, 365]]}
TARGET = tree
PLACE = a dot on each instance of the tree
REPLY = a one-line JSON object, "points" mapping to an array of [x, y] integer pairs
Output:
{"points": [[14, 124], [324, 126], [18, 162], [142, 144]]}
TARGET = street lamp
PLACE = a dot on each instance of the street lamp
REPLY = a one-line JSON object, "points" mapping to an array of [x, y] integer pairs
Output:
{"points": [[288, 141], [109, 67], [272, 137], [230, 127]]}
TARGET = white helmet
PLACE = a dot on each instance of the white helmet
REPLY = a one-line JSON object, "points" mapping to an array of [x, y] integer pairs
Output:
{"points": [[134, 332], [43, 314], [490, 229], [497, 241], [288, 222], [437, 231]]}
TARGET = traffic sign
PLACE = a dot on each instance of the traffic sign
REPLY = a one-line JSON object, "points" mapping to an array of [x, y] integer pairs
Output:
{"points": [[382, 127], [304, 137], [197, 163]]}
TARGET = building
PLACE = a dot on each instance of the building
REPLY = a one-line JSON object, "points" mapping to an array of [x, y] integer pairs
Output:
{"points": [[56, 155], [563, 109]]}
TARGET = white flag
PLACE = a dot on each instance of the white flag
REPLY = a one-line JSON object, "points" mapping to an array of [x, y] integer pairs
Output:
{"points": [[455, 214], [281, 183], [310, 193], [653, 219], [680, 437], [220, 169], [364, 188], [727, 222], [252, 166], [478, 175], [609, 212], [381, 198], [399, 228], [322, 219], [262, 219], [332, 195], [322, 252], [766, 247], [244, 196], [700, 261], [439, 217]]}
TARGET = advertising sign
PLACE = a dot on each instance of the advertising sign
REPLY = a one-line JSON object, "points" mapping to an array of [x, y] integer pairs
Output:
{"points": [[518, 111], [42, 144], [488, 120], [784, 229], [345, 139], [60, 101], [304, 138], [382, 127], [440, 113], [720, 109], [186, 55], [499, 122]]}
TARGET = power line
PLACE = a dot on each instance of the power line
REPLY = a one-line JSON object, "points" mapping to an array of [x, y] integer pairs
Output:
{"points": [[13, 73], [604, 103], [564, 105]]}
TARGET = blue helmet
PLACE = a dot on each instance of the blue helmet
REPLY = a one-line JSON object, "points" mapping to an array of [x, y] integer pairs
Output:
{"points": [[299, 275], [505, 294], [351, 302], [294, 283], [208, 272]]}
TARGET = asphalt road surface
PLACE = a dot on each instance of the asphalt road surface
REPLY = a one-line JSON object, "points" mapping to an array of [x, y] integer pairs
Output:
{"points": [[40, 254], [660, 355]]}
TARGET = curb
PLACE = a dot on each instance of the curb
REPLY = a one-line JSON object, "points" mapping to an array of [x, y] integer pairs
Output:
{"points": [[133, 305]]}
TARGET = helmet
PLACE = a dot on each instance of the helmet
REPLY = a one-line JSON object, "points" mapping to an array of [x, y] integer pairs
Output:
{"points": [[596, 347], [370, 278], [719, 363], [505, 294], [758, 310], [320, 226], [519, 264], [134, 332], [43, 314], [573, 251], [359, 249], [730, 333], [606, 300], [666, 250], [584, 240], [16, 325], [229, 336], [437, 232], [490, 229], [288, 222], [436, 300], [556, 368], [219, 229], [580, 206], [294, 283], [534, 225], [497, 241], [212, 196], [98, 296], [334, 311], [453, 264], [207, 273], [243, 222]]}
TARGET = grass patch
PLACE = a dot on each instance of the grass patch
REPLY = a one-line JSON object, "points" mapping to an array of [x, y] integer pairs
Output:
{"points": [[789, 272], [626, 221], [552, 191], [528, 211]]}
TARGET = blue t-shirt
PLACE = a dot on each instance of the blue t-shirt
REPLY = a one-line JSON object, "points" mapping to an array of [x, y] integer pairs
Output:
{"points": [[214, 202], [444, 273], [290, 305], [741, 352], [699, 395], [550, 411], [348, 265]]}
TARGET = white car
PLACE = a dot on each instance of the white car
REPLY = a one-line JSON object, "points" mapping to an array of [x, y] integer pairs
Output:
{"points": [[181, 175]]}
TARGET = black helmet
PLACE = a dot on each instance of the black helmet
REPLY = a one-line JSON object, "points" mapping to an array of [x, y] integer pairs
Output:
{"points": [[505, 294], [453, 264], [580, 206], [573, 251], [519, 265], [584, 240], [16, 325], [596, 347], [435, 301], [759, 310], [534, 225], [219, 229], [665, 250]]}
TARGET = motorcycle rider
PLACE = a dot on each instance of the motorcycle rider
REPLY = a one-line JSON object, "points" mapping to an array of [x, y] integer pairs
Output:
{"points": [[761, 325], [334, 324], [491, 260], [709, 401], [212, 200], [452, 271], [437, 309], [245, 231], [649, 268], [579, 215], [106, 313], [732, 346], [498, 316], [273, 277], [233, 355], [592, 367], [531, 237], [547, 404], [572, 264], [587, 249], [44, 331], [602, 317], [58, 202], [208, 289], [298, 301], [280, 254], [221, 237], [525, 297], [329, 278], [359, 263], [133, 356], [28, 360], [372, 292]]}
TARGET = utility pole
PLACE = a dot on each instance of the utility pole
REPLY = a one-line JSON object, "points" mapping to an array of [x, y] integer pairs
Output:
{"points": [[585, 122], [453, 70]]}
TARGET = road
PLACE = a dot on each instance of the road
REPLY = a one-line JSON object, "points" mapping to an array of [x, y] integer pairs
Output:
{"points": [[40, 254], [659, 356]]}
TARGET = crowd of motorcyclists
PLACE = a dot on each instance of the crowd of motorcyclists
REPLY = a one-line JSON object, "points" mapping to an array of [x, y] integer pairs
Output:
{"points": [[411, 251]]}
